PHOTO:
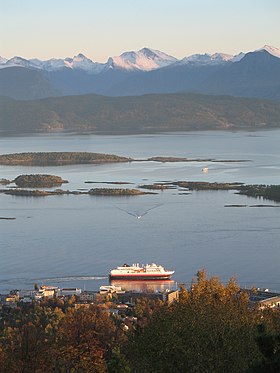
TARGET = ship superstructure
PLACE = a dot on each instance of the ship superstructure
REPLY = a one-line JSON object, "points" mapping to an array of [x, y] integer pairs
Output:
{"points": [[140, 272]]}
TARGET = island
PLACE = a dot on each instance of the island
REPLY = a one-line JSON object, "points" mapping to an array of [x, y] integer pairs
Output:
{"points": [[168, 159], [39, 193], [39, 181], [59, 158], [157, 186], [268, 192], [109, 182], [5, 181], [116, 192], [26, 193], [183, 159], [204, 185]]}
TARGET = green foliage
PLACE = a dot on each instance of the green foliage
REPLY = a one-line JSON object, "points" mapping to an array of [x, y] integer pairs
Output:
{"points": [[270, 192], [269, 346], [118, 363]]}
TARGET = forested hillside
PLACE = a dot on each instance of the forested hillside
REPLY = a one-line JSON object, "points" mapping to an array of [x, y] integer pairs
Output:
{"points": [[148, 113]]}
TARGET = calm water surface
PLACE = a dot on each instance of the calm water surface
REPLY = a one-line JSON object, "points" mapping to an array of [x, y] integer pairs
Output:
{"points": [[75, 240]]}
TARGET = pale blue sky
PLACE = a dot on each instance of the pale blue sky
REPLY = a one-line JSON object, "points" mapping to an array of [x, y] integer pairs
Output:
{"points": [[102, 28]]}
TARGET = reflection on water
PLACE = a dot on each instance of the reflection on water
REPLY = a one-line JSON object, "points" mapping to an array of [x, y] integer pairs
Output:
{"points": [[152, 286]]}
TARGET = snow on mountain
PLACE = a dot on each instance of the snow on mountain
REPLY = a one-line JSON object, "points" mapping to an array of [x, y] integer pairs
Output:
{"points": [[79, 62], [17, 61], [3, 60], [221, 57], [83, 63], [145, 59], [238, 57], [52, 64], [271, 50], [209, 59]]}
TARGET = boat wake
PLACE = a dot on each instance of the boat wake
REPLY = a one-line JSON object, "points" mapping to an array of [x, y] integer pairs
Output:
{"points": [[73, 278]]}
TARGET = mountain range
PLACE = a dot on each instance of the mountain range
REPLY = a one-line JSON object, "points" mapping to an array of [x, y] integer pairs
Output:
{"points": [[253, 74], [145, 59]]}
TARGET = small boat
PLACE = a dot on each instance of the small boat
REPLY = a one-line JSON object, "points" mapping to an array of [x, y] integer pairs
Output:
{"points": [[205, 169], [140, 272]]}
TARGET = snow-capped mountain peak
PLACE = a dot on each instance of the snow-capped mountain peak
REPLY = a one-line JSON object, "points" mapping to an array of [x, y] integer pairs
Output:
{"points": [[145, 59], [80, 57], [80, 62], [238, 57], [271, 50], [19, 61], [210, 59], [3, 60], [221, 57]]}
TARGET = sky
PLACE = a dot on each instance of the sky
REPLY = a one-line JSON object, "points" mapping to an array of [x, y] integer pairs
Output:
{"points": [[103, 28]]}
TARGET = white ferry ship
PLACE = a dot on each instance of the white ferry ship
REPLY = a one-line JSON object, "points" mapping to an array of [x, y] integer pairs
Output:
{"points": [[140, 272]]}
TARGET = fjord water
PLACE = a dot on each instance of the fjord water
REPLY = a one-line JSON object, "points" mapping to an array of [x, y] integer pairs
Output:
{"points": [[76, 239]]}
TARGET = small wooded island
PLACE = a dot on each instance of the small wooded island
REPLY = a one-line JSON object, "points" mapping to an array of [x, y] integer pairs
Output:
{"points": [[116, 192], [38, 181], [59, 158]]}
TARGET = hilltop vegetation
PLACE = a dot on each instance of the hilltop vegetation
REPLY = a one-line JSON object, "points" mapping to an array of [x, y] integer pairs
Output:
{"points": [[211, 328], [142, 114]]}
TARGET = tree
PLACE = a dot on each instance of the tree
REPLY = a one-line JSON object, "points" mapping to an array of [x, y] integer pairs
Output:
{"points": [[210, 329], [269, 346], [85, 340]]}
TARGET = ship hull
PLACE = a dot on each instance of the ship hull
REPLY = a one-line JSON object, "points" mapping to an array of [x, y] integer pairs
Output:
{"points": [[140, 277]]}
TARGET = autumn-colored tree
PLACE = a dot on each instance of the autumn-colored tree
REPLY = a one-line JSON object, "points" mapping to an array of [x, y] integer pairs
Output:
{"points": [[210, 329], [42, 338], [145, 307], [27, 345], [85, 340]]}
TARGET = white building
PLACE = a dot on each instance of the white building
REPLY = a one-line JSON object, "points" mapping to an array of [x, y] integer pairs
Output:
{"points": [[69, 292]]}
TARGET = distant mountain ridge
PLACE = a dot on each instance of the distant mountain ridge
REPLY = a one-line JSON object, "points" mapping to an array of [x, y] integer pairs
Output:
{"points": [[254, 74], [139, 114]]}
